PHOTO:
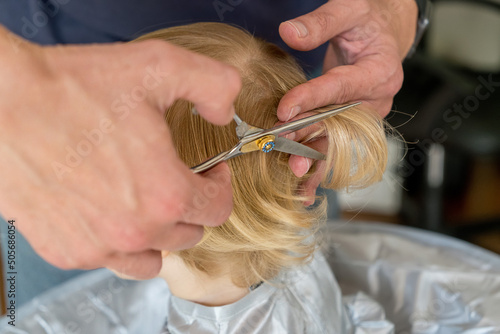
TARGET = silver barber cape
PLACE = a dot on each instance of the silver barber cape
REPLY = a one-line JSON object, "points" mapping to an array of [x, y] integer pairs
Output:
{"points": [[392, 280]]}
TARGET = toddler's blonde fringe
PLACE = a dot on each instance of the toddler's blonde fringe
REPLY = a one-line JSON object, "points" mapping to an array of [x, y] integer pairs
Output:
{"points": [[269, 228]]}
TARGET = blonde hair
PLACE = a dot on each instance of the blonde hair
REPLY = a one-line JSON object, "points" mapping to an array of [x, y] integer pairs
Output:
{"points": [[269, 228]]}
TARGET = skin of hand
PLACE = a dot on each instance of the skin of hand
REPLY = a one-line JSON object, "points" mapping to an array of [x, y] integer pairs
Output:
{"points": [[89, 171], [367, 41]]}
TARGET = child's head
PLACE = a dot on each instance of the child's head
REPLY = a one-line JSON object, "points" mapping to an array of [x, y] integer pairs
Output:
{"points": [[269, 228]]}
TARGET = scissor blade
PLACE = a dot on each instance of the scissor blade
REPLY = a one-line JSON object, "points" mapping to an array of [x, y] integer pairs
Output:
{"points": [[292, 147], [306, 121], [244, 130], [212, 162]]}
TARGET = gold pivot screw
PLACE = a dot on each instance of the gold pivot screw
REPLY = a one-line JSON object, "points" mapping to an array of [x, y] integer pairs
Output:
{"points": [[266, 143]]}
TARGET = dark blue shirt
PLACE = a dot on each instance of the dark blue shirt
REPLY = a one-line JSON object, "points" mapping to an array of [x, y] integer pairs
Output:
{"points": [[100, 21]]}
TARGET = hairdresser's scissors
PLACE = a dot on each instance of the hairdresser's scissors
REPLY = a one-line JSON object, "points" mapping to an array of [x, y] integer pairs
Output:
{"points": [[252, 139]]}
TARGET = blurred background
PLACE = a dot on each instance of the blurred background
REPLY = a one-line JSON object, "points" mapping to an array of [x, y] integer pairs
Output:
{"points": [[444, 170]]}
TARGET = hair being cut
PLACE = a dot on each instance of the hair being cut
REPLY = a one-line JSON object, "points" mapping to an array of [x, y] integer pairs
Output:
{"points": [[269, 228]]}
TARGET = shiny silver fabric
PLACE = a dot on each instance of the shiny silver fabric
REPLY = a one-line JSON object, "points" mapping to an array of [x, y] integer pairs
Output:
{"points": [[427, 283], [393, 279]]}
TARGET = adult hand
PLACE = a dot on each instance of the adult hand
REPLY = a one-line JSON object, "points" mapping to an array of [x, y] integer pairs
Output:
{"points": [[367, 40], [89, 171]]}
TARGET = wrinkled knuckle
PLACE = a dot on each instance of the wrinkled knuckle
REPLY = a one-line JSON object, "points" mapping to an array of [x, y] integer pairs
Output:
{"points": [[319, 101], [346, 91], [129, 238], [309, 91], [323, 21], [133, 240]]}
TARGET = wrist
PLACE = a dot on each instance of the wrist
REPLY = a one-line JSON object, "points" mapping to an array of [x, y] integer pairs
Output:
{"points": [[423, 19]]}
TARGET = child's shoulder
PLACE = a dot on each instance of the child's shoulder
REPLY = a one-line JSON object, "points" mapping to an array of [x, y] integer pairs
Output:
{"points": [[312, 293], [305, 299]]}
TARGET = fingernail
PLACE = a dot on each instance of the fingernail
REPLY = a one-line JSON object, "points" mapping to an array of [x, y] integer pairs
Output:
{"points": [[123, 276], [308, 165], [294, 111], [300, 27], [308, 203], [304, 172]]}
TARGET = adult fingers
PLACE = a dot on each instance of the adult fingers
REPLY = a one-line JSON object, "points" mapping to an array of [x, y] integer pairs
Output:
{"points": [[211, 85], [307, 129], [301, 165], [178, 214], [315, 129], [298, 164], [143, 265], [204, 200], [309, 31], [146, 264], [210, 200], [180, 236], [139, 265], [373, 79], [310, 186]]}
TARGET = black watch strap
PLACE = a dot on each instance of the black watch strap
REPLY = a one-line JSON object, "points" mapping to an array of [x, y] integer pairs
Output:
{"points": [[424, 14]]}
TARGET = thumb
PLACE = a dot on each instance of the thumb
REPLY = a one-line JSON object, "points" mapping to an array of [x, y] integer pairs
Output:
{"points": [[211, 85], [309, 31], [211, 197]]}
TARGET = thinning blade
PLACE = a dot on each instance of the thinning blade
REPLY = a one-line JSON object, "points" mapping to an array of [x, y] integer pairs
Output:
{"points": [[292, 147]]}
